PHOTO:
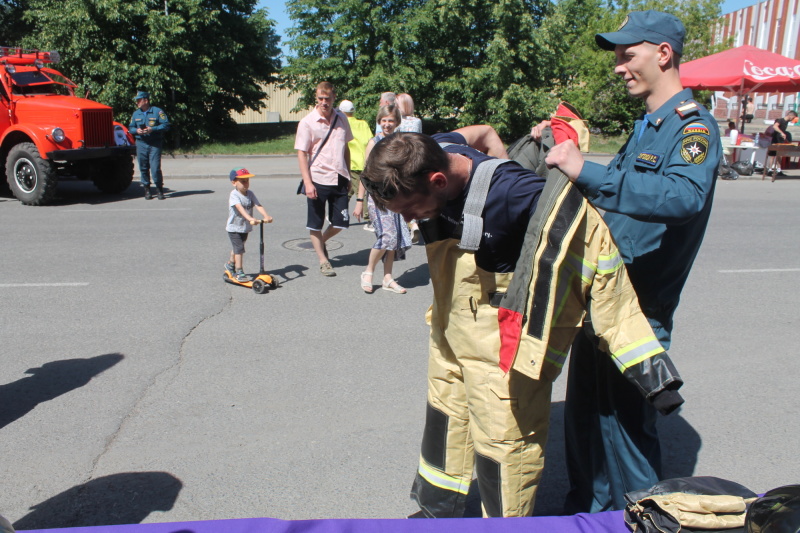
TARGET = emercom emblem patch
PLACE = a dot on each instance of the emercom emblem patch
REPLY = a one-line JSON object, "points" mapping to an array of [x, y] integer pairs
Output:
{"points": [[694, 149]]}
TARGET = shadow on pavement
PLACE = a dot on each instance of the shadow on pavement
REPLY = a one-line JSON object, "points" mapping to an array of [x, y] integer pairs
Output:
{"points": [[418, 276], [78, 192], [680, 444], [81, 192], [358, 258], [48, 382], [117, 499], [178, 194], [283, 274]]}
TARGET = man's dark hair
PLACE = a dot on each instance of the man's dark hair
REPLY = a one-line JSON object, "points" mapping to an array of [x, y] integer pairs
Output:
{"points": [[401, 162]]}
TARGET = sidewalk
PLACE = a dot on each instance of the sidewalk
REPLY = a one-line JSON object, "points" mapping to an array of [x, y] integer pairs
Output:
{"points": [[266, 166], [285, 166], [263, 166]]}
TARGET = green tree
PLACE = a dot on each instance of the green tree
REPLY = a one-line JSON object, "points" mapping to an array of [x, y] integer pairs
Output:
{"points": [[352, 44], [464, 61], [484, 61], [588, 80], [12, 26], [502, 62], [200, 59]]}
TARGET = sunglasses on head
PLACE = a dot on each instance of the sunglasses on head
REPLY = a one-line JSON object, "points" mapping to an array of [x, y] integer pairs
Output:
{"points": [[386, 191], [381, 190]]}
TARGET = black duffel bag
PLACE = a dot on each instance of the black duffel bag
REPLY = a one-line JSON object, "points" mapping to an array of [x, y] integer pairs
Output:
{"points": [[743, 168]]}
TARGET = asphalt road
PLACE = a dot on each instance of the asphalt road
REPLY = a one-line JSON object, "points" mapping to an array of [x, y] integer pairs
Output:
{"points": [[136, 386]]}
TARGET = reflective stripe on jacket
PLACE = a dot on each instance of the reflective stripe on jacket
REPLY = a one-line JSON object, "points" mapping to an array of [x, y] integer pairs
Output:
{"points": [[568, 260]]}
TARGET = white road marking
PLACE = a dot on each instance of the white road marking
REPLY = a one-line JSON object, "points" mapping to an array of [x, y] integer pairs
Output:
{"points": [[759, 270], [12, 285]]}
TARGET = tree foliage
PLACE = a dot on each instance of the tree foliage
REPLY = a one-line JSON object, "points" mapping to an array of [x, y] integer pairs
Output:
{"points": [[588, 80], [12, 26], [199, 59], [502, 62], [350, 43], [469, 60]]}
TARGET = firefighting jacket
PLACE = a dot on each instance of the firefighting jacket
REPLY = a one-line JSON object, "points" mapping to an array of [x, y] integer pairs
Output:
{"points": [[570, 263]]}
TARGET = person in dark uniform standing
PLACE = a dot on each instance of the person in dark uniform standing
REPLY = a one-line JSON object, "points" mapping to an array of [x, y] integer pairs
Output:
{"points": [[657, 194], [148, 125]]}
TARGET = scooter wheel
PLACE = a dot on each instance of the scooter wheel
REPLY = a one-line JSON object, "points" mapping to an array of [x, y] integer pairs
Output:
{"points": [[274, 283], [259, 286]]}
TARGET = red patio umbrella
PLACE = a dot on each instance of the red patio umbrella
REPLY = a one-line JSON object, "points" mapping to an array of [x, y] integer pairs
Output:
{"points": [[742, 70]]}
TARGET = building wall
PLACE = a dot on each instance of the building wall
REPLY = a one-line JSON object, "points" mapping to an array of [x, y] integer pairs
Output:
{"points": [[279, 104], [771, 25]]}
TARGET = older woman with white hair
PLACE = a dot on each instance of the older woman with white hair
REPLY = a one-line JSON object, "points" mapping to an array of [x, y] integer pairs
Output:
{"points": [[408, 122]]}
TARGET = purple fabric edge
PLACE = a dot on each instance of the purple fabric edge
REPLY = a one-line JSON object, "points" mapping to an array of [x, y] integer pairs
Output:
{"points": [[608, 522]]}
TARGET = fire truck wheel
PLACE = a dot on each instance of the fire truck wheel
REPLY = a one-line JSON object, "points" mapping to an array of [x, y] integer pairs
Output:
{"points": [[115, 177], [32, 179]]}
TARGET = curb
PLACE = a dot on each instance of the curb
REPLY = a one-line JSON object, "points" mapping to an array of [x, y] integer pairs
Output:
{"points": [[224, 156]]}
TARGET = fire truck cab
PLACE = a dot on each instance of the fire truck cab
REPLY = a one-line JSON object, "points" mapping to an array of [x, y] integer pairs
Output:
{"points": [[47, 133]]}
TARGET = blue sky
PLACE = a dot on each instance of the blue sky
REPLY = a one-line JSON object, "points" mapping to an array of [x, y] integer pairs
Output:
{"points": [[277, 12]]}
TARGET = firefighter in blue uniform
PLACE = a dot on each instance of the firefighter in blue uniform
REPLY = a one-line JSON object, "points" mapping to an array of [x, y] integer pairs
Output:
{"points": [[657, 195], [148, 125]]}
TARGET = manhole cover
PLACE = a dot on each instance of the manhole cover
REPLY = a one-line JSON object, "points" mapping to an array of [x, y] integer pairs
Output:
{"points": [[304, 245]]}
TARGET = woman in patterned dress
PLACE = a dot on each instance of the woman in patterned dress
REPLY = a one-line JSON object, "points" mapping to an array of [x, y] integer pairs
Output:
{"points": [[393, 237]]}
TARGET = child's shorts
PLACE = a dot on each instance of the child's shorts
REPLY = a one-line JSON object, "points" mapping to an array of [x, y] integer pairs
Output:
{"points": [[237, 240], [335, 197]]}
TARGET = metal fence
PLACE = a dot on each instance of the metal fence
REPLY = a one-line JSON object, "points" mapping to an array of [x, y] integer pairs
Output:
{"points": [[279, 104]]}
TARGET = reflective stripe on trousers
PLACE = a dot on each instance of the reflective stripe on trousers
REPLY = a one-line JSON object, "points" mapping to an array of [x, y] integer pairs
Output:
{"points": [[479, 420]]}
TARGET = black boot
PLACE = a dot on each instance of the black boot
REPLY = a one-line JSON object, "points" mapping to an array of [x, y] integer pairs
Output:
{"points": [[160, 193], [147, 195]]}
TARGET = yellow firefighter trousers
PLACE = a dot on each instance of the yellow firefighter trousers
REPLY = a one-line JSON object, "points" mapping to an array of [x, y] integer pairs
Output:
{"points": [[476, 415]]}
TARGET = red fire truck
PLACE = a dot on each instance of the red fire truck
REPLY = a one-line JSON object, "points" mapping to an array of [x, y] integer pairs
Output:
{"points": [[47, 133]]}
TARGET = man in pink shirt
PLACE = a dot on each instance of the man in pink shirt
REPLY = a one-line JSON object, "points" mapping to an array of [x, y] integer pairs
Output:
{"points": [[324, 158]]}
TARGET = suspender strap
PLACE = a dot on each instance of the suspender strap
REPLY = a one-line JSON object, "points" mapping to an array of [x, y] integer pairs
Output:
{"points": [[471, 221], [476, 199]]}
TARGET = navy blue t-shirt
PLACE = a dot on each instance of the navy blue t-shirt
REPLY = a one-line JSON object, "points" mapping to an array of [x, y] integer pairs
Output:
{"points": [[510, 203]]}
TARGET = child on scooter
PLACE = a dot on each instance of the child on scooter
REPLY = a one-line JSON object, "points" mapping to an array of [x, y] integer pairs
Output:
{"points": [[240, 220]]}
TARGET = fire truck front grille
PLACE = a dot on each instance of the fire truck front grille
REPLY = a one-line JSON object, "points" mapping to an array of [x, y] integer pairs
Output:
{"points": [[98, 128]]}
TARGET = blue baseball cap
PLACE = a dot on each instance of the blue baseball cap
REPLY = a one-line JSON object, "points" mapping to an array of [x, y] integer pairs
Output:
{"points": [[645, 26], [142, 94]]}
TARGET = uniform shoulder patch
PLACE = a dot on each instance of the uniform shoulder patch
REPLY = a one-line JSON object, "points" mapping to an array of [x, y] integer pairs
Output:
{"points": [[696, 127], [163, 116], [694, 148], [687, 109]]}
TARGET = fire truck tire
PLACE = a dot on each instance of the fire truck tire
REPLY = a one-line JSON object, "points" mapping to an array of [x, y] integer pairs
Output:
{"points": [[31, 178], [117, 178]]}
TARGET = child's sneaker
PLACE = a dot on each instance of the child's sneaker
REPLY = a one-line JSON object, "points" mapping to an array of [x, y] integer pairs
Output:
{"points": [[230, 268], [242, 277]]}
